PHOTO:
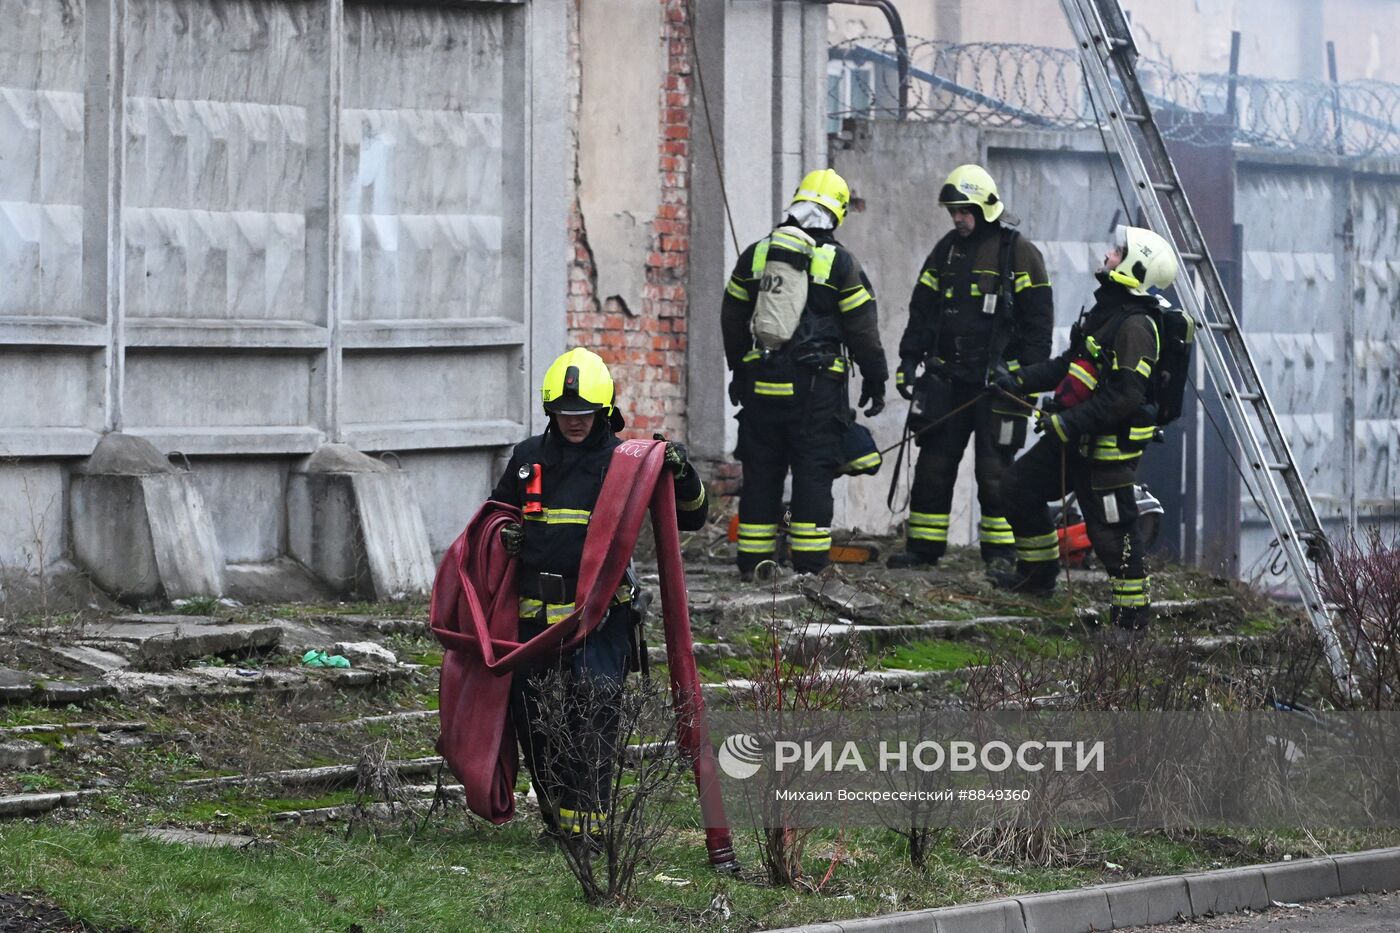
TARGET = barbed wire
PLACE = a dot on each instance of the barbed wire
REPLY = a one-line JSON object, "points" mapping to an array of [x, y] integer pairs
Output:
{"points": [[1017, 85]]}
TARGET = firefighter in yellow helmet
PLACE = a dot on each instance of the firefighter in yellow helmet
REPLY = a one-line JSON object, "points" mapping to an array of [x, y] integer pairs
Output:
{"points": [[554, 479], [1095, 429], [982, 302], [797, 313]]}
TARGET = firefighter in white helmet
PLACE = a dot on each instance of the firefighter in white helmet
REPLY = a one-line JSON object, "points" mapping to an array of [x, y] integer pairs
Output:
{"points": [[1095, 428]]}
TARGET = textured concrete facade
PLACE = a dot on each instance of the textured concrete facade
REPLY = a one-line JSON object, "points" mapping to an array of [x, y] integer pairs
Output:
{"points": [[243, 229], [308, 222], [1320, 291]]}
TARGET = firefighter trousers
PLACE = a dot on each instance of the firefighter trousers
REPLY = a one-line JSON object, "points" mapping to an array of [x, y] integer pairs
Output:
{"points": [[802, 435], [565, 712], [996, 438], [1110, 517]]}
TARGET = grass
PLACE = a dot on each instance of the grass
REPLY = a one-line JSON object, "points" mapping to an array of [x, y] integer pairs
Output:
{"points": [[458, 874]]}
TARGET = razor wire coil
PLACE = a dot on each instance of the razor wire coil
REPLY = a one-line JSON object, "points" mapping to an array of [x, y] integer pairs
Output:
{"points": [[1016, 85]]}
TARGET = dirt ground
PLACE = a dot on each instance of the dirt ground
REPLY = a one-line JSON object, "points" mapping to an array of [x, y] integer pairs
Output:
{"points": [[21, 913]]}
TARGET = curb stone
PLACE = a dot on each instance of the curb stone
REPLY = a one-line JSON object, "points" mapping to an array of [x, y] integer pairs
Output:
{"points": [[1148, 901]]}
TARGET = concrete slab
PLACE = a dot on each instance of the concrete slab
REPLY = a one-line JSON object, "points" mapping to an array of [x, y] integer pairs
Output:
{"points": [[64, 693], [1223, 892], [16, 686], [365, 651], [704, 651], [185, 837], [166, 641], [22, 753], [278, 581], [86, 659], [327, 776], [873, 681], [842, 597], [186, 548], [1147, 902], [746, 606], [1373, 871], [19, 805], [50, 728], [1302, 880], [806, 638], [1066, 911], [301, 637]]}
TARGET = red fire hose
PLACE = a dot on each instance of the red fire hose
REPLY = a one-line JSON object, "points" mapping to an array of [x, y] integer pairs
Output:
{"points": [[473, 613]]}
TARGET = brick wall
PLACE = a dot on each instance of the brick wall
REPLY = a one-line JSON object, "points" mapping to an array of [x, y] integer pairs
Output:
{"points": [[646, 348]]}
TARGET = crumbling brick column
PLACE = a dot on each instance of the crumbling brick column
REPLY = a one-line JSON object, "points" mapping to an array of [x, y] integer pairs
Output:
{"points": [[645, 347]]}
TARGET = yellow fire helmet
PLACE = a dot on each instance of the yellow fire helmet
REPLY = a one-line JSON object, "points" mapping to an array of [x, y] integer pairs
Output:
{"points": [[1148, 260], [972, 185], [577, 383], [826, 188]]}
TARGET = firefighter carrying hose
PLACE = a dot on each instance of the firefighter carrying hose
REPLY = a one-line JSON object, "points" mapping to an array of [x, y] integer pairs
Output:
{"points": [[554, 479], [1104, 413], [983, 300], [796, 305]]}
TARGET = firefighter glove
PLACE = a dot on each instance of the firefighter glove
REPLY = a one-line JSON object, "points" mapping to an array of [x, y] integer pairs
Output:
{"points": [[1006, 381], [736, 392], [874, 393], [905, 377], [1051, 425], [677, 457], [513, 538]]}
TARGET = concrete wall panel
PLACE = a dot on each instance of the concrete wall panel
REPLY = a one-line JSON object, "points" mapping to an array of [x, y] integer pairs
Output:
{"points": [[41, 139], [1376, 208], [899, 226], [49, 388], [32, 515], [1061, 189], [246, 501], [1293, 314], [451, 486], [422, 139], [399, 386], [216, 172], [165, 389]]}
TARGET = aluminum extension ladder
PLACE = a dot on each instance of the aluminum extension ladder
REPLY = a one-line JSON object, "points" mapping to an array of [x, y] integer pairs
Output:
{"points": [[1108, 53]]}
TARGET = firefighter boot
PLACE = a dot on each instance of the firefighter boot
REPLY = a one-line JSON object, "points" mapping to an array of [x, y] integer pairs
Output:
{"points": [[1131, 618], [1033, 578], [910, 560]]}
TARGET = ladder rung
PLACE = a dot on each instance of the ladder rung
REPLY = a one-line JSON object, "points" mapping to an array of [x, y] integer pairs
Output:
{"points": [[1165, 186], [1131, 117], [1250, 397], [1191, 257], [1221, 326], [1280, 467]]}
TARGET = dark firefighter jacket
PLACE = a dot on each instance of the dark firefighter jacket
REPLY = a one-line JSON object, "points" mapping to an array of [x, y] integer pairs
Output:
{"points": [[840, 312], [572, 477], [950, 318], [1120, 336]]}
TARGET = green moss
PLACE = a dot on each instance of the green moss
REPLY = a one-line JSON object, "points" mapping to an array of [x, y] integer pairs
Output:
{"points": [[940, 655]]}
